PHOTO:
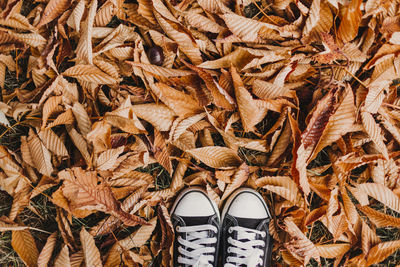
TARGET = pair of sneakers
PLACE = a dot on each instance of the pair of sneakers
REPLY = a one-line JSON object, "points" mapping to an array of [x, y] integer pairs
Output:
{"points": [[240, 234]]}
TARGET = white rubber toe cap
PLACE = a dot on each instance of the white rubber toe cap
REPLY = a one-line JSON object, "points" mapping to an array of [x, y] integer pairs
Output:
{"points": [[193, 203], [247, 203]]}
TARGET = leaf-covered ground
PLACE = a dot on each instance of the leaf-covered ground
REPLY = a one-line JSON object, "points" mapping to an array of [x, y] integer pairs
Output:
{"points": [[110, 107]]}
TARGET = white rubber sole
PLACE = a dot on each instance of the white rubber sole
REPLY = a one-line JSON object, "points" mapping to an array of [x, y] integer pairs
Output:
{"points": [[198, 189], [233, 196]]}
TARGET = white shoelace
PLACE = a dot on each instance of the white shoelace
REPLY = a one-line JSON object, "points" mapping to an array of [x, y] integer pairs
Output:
{"points": [[246, 252], [193, 249]]}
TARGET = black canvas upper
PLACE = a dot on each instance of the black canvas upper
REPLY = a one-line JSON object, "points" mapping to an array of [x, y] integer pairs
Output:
{"points": [[256, 224], [192, 221]]}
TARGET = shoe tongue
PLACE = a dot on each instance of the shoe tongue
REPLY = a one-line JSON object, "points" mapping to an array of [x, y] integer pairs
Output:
{"points": [[198, 220], [248, 223]]}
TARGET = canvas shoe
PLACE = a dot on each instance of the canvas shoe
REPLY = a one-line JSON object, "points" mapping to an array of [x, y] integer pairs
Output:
{"points": [[245, 230], [196, 221]]}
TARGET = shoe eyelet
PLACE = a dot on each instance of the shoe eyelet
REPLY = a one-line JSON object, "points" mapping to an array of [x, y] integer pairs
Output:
{"points": [[263, 234], [229, 250], [178, 228], [230, 230]]}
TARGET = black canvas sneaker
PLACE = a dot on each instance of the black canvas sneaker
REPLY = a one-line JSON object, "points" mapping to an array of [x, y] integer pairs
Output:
{"points": [[196, 222], [245, 236]]}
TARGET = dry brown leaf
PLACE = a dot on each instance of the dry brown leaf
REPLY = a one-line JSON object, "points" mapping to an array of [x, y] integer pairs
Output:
{"points": [[105, 14], [333, 250], [161, 71], [74, 20], [340, 123], [41, 157], [136, 239], [82, 118], [161, 152], [24, 244], [250, 113], [53, 9], [239, 178], [320, 118], [319, 20], [244, 28], [167, 228], [368, 238], [382, 194], [216, 156], [182, 104], [283, 186], [300, 245], [63, 257], [350, 21], [31, 39], [108, 159], [159, 115], [64, 118], [84, 48], [90, 252], [90, 73], [83, 192], [80, 143], [374, 131], [53, 143], [221, 98], [45, 254], [378, 218], [381, 251], [202, 23]]}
